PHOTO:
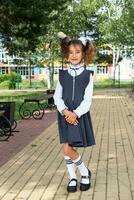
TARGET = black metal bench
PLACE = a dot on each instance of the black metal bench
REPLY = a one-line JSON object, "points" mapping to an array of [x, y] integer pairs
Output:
{"points": [[39, 112], [5, 126], [7, 121]]}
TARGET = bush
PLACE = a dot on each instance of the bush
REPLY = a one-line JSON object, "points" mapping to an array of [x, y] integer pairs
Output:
{"points": [[3, 77], [5, 84], [11, 78]]}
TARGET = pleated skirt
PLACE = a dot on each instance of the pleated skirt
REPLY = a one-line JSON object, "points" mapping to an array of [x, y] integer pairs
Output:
{"points": [[81, 135]]}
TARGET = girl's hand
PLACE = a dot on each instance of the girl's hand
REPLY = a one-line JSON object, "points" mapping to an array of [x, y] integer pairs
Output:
{"points": [[73, 122], [71, 118], [76, 122], [66, 112]]}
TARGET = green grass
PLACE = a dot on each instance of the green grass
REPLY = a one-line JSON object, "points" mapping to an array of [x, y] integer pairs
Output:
{"points": [[105, 83], [108, 83], [25, 84], [19, 97], [34, 84]]}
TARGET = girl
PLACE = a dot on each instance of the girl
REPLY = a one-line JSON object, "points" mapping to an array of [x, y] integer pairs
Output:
{"points": [[72, 97]]}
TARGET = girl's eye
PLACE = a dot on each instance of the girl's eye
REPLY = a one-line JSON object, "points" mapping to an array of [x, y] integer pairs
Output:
{"points": [[76, 52]]}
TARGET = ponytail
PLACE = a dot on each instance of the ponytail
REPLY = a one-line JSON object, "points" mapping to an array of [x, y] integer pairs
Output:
{"points": [[89, 52]]}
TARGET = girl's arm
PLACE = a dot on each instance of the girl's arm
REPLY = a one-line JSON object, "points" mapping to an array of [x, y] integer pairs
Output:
{"points": [[58, 101], [86, 103]]}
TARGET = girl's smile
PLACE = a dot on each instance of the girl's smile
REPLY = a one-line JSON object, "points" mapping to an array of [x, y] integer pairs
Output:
{"points": [[75, 54]]}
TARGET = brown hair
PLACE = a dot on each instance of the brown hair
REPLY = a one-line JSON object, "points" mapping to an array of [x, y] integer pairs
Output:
{"points": [[89, 51]]}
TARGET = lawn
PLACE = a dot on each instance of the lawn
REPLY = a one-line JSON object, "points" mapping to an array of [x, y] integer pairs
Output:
{"points": [[108, 83], [19, 97]]}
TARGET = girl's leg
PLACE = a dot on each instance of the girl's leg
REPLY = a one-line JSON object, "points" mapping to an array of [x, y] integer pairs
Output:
{"points": [[83, 170], [85, 174], [68, 154], [69, 151], [75, 157]]}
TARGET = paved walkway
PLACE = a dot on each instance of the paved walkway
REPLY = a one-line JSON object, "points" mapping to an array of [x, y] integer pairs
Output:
{"points": [[26, 132], [38, 172]]}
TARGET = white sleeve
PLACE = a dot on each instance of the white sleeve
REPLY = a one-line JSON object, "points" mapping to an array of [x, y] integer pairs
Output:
{"points": [[87, 99], [58, 101]]}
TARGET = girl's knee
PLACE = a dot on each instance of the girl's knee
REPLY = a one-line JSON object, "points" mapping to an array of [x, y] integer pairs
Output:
{"points": [[67, 150]]}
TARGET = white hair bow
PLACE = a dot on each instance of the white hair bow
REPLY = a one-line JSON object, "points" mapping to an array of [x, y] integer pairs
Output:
{"points": [[83, 40], [61, 35]]}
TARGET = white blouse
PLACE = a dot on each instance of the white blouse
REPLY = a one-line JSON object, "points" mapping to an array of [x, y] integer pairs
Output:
{"points": [[87, 99]]}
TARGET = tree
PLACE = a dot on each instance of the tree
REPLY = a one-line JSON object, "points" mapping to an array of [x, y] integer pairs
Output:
{"points": [[117, 28], [24, 21], [81, 19], [48, 49], [77, 19], [118, 23]]}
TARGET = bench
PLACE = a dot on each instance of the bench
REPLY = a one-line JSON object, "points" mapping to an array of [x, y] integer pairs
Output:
{"points": [[8, 123], [1, 112], [38, 113], [5, 126]]}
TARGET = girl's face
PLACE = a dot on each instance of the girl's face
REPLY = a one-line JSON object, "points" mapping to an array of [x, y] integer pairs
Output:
{"points": [[75, 54]]}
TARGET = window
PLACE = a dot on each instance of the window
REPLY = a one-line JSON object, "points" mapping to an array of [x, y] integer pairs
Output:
{"points": [[102, 69], [3, 70], [32, 71], [24, 70]]}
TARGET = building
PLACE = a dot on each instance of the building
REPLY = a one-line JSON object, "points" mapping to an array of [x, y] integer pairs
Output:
{"points": [[125, 70], [7, 65], [102, 69]]}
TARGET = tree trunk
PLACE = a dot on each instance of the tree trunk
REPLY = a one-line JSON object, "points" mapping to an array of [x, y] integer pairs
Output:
{"points": [[50, 75], [114, 66], [48, 80], [30, 63], [116, 54]]}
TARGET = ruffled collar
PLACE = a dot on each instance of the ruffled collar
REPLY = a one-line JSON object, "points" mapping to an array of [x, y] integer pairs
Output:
{"points": [[78, 66]]}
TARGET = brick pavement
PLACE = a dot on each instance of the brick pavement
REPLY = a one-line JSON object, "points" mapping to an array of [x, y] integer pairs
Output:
{"points": [[27, 130], [38, 172]]}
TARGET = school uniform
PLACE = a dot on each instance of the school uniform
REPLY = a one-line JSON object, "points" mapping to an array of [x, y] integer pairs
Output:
{"points": [[74, 92]]}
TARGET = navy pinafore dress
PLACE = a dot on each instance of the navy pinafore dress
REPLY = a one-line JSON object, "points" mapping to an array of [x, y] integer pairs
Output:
{"points": [[80, 135]]}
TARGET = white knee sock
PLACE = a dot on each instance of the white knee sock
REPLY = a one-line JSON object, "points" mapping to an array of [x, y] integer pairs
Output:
{"points": [[82, 168], [71, 170]]}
